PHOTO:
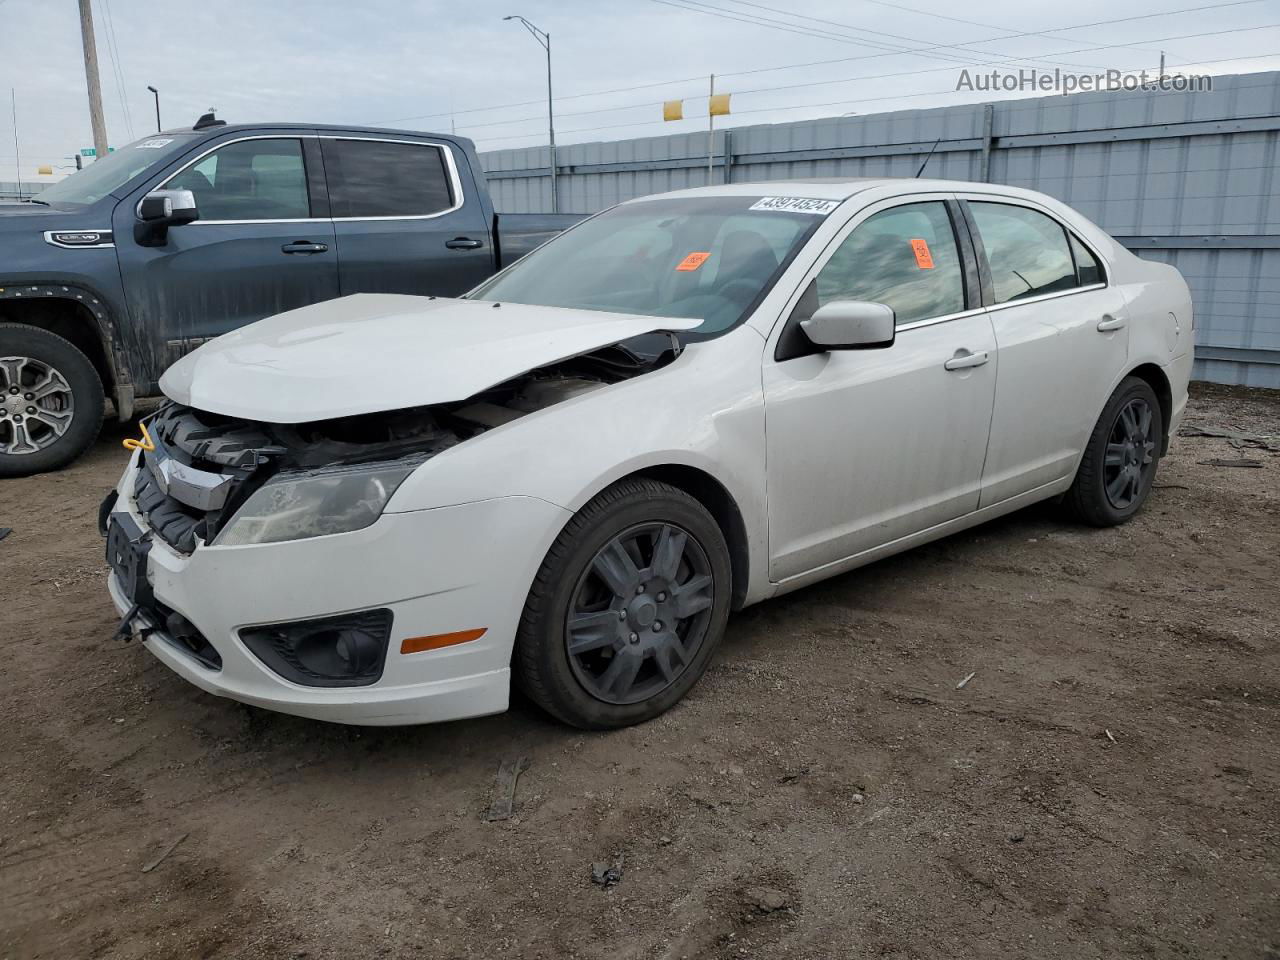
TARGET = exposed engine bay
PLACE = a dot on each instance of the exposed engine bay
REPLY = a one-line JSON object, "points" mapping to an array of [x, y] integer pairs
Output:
{"points": [[203, 466]]}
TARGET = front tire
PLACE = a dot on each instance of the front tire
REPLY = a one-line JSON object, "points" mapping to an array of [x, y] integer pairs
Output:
{"points": [[627, 608], [51, 401], [1120, 461]]}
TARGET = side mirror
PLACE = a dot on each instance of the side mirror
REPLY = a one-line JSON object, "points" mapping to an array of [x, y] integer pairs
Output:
{"points": [[158, 211], [850, 325], [168, 208]]}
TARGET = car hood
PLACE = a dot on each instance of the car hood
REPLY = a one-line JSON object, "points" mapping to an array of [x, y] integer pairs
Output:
{"points": [[369, 353]]}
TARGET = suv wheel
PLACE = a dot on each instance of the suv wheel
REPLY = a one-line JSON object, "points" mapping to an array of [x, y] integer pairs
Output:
{"points": [[51, 401], [627, 608]]}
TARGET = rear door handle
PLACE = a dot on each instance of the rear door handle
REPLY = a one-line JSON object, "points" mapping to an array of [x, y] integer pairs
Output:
{"points": [[1109, 323], [463, 243], [304, 246], [963, 361]]}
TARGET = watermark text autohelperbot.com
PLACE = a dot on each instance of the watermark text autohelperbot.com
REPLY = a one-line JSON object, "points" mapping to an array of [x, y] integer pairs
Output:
{"points": [[1059, 81]]}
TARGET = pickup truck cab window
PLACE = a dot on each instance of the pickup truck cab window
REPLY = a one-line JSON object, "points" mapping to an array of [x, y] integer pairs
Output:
{"points": [[1027, 251], [905, 257], [258, 179], [706, 258], [381, 178]]}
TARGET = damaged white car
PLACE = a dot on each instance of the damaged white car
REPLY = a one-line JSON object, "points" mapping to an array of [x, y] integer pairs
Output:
{"points": [[380, 509]]}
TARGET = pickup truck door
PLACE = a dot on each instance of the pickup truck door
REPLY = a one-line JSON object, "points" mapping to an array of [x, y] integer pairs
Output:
{"points": [[263, 244], [866, 446], [406, 216]]}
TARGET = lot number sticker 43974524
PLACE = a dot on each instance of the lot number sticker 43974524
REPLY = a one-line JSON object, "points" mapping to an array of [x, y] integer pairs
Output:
{"points": [[796, 205]]}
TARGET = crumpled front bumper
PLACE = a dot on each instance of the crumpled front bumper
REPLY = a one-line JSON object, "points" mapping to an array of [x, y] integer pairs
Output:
{"points": [[443, 570]]}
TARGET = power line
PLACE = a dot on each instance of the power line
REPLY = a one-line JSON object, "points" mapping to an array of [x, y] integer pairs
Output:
{"points": [[697, 6], [942, 16], [802, 106], [961, 48], [815, 63], [114, 50], [1013, 36], [820, 83]]}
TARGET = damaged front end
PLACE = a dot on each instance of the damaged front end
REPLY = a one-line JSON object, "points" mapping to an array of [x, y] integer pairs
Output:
{"points": [[208, 478]]}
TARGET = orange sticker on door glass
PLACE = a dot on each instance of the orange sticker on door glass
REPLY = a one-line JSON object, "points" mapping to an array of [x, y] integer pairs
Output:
{"points": [[924, 259], [693, 261]]}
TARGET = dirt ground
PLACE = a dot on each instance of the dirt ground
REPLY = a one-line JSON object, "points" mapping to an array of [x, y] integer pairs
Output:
{"points": [[1105, 785]]}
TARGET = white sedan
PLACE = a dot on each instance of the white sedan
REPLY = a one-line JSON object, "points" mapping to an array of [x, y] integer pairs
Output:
{"points": [[381, 509]]}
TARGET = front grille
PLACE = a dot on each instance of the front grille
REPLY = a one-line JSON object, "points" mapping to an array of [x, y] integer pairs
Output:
{"points": [[189, 484], [173, 522]]}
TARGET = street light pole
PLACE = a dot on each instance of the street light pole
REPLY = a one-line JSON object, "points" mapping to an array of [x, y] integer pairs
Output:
{"points": [[156, 94], [544, 39]]}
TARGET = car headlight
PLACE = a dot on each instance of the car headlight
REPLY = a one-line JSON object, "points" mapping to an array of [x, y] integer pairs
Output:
{"points": [[296, 505]]}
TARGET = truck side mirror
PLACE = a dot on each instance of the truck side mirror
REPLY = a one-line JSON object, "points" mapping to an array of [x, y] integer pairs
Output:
{"points": [[161, 209]]}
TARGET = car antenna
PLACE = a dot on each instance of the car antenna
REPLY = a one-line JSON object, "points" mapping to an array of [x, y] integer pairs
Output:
{"points": [[926, 159]]}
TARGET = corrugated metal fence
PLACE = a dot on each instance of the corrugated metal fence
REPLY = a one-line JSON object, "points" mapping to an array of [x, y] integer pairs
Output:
{"points": [[1189, 178]]}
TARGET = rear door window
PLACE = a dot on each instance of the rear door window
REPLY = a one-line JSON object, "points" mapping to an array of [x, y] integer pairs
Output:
{"points": [[377, 178], [1027, 251]]}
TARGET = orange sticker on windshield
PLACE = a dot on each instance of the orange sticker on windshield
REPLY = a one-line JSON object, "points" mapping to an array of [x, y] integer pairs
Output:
{"points": [[693, 261], [924, 259]]}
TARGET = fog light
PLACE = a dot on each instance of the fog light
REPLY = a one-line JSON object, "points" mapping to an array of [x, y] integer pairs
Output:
{"points": [[343, 651]]}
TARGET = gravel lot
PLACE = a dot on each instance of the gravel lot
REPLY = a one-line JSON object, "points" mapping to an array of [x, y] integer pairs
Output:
{"points": [[1105, 785]]}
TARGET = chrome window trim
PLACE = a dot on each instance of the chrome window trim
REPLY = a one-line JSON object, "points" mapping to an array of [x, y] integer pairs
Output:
{"points": [[49, 235], [1057, 294], [455, 181], [932, 321]]}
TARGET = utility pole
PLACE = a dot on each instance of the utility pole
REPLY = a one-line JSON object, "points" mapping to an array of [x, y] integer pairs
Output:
{"points": [[91, 79], [1161, 64], [544, 40]]}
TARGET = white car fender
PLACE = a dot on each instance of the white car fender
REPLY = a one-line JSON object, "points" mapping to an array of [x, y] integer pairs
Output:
{"points": [[567, 453]]}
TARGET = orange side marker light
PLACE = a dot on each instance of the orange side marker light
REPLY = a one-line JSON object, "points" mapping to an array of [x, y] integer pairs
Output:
{"points": [[438, 640]]}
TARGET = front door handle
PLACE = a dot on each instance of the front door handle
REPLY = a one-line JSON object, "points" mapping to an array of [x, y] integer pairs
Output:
{"points": [[964, 360], [463, 243], [304, 246], [1109, 323]]}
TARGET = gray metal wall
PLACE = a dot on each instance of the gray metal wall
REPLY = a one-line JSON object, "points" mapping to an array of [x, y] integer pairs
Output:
{"points": [[1188, 178]]}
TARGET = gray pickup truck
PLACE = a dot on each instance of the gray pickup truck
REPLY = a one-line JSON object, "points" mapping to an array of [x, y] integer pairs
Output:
{"points": [[112, 274]]}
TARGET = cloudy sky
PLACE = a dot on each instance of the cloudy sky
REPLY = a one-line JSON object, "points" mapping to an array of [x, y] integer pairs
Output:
{"points": [[433, 65]]}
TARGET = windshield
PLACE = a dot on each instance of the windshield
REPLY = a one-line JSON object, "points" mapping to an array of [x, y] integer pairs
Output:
{"points": [[705, 258], [114, 170]]}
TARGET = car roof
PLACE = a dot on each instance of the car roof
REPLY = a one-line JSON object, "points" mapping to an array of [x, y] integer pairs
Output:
{"points": [[842, 188]]}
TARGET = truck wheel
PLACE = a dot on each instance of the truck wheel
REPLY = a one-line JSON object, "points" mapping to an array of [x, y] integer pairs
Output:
{"points": [[51, 401], [1120, 461], [627, 608]]}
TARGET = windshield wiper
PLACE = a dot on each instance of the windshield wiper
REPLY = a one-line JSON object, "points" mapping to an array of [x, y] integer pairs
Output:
{"points": [[43, 203]]}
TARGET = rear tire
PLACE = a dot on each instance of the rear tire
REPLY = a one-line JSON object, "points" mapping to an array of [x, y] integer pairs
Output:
{"points": [[627, 608], [51, 401], [1121, 458]]}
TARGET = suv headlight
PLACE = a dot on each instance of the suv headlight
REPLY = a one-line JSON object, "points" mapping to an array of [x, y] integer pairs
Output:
{"points": [[297, 505]]}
